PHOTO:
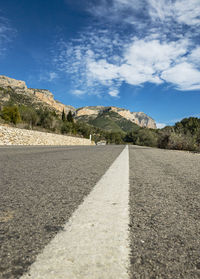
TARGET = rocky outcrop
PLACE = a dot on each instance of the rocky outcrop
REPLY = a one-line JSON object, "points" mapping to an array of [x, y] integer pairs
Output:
{"points": [[46, 98], [86, 111], [13, 83], [139, 118], [144, 120], [38, 95], [15, 136]]}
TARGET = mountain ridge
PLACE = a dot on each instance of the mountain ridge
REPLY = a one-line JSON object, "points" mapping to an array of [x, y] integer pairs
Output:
{"points": [[46, 98]]}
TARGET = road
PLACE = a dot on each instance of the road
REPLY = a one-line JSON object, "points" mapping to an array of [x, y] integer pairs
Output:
{"points": [[43, 187]]}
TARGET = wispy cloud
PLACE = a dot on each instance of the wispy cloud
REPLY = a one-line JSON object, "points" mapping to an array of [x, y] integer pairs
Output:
{"points": [[7, 33], [155, 42], [160, 125], [78, 92], [114, 93], [48, 76]]}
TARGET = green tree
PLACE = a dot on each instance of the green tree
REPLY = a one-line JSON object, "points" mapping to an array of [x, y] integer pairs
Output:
{"points": [[63, 116], [147, 137], [29, 115], [11, 114], [46, 118], [67, 128], [70, 117]]}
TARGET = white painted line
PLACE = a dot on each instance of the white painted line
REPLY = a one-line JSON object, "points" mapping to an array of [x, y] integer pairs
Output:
{"points": [[95, 241]]}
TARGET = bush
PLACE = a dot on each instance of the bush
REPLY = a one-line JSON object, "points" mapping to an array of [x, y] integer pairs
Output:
{"points": [[147, 137], [143, 136], [11, 114], [181, 142], [46, 118], [67, 128], [29, 115]]}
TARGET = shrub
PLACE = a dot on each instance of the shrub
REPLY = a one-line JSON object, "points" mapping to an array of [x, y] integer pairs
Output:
{"points": [[66, 128], [11, 114], [29, 115], [181, 142], [45, 118], [147, 137]]}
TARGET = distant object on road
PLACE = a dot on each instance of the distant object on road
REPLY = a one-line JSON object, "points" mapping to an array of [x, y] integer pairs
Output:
{"points": [[102, 142]]}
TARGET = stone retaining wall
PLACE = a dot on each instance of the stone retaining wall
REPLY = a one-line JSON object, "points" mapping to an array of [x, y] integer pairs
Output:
{"points": [[15, 136]]}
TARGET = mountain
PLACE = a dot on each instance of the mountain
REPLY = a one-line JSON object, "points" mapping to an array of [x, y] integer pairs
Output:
{"points": [[16, 91], [108, 118], [96, 114]]}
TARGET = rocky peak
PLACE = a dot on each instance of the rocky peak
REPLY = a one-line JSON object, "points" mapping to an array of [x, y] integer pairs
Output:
{"points": [[139, 118], [13, 83], [46, 98], [37, 95]]}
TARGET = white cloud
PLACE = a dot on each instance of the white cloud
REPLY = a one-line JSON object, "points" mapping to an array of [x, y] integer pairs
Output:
{"points": [[52, 76], [78, 92], [182, 11], [194, 56], [160, 9], [163, 51], [7, 33], [160, 125], [48, 76], [102, 70], [141, 61], [184, 76], [112, 10], [145, 60], [187, 11], [114, 93]]}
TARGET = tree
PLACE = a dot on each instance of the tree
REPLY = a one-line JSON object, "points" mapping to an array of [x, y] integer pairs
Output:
{"points": [[70, 117], [11, 114], [63, 116], [29, 115], [45, 118]]}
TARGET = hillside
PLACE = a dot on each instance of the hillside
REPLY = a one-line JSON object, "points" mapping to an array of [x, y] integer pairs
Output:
{"points": [[109, 121], [36, 109], [96, 112], [16, 92]]}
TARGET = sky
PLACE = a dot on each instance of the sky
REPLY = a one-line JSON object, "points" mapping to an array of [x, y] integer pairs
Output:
{"points": [[141, 55]]}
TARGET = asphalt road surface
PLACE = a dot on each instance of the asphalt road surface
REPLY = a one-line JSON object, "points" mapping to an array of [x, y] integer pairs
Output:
{"points": [[42, 187], [165, 214]]}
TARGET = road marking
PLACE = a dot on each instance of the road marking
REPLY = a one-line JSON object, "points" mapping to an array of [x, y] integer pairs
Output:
{"points": [[95, 242]]}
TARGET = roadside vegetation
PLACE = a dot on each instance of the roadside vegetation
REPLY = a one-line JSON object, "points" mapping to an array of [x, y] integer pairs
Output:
{"points": [[184, 135], [20, 112], [43, 119]]}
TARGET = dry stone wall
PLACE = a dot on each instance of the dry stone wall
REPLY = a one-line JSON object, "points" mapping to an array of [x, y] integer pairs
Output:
{"points": [[15, 136]]}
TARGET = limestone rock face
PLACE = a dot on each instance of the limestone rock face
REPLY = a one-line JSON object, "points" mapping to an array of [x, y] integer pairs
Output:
{"points": [[87, 111], [13, 83], [46, 98], [37, 95], [139, 118], [144, 120]]}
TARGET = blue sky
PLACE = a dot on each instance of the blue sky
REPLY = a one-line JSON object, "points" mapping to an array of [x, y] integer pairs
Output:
{"points": [[143, 55]]}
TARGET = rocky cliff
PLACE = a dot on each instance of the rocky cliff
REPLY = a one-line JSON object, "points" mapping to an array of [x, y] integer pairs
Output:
{"points": [[139, 118], [42, 96], [46, 98]]}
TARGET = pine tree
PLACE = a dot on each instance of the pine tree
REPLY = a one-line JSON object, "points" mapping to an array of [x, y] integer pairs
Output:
{"points": [[70, 117], [63, 116]]}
